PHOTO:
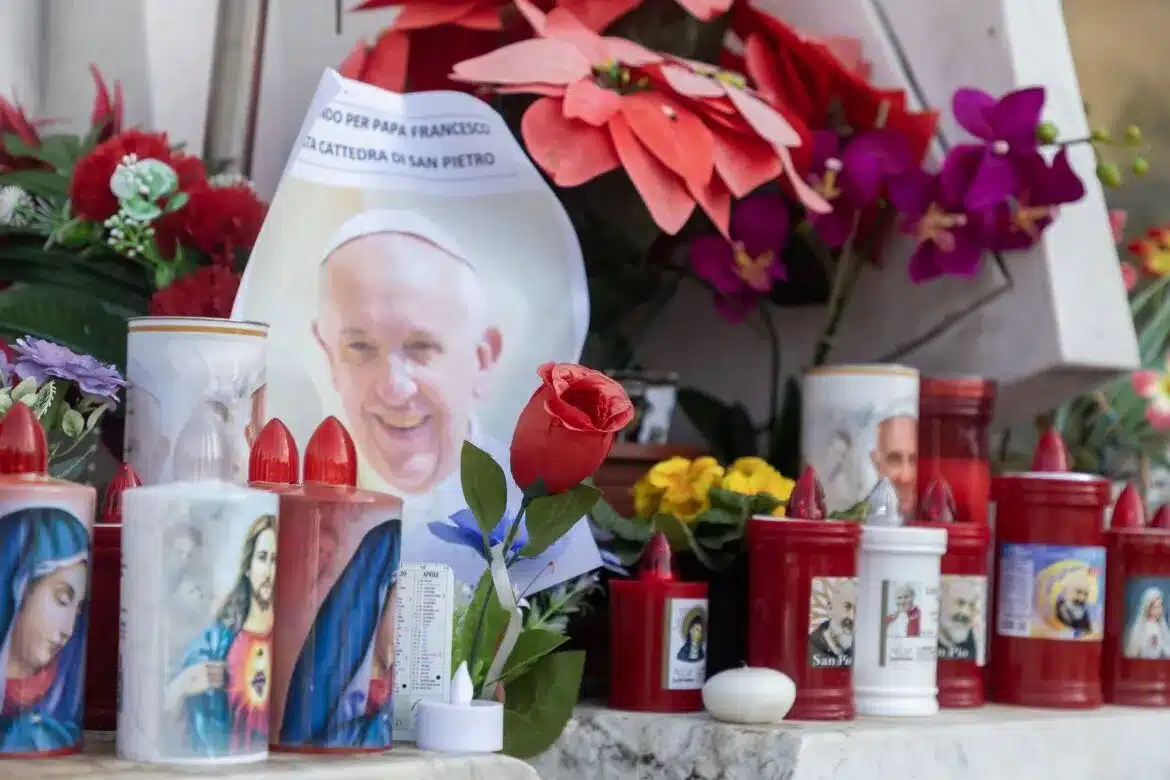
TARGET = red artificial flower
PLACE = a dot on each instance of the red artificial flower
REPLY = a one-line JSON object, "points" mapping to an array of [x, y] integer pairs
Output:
{"points": [[13, 121], [89, 190], [568, 426], [220, 220], [107, 109], [208, 291], [806, 76]]}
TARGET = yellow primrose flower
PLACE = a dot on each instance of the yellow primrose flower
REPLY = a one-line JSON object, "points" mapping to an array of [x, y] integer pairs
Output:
{"points": [[750, 476], [646, 497], [684, 484]]}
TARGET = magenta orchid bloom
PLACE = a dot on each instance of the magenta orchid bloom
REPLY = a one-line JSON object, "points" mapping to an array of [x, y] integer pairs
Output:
{"points": [[950, 236], [1007, 128], [851, 176], [1043, 189], [744, 269]]}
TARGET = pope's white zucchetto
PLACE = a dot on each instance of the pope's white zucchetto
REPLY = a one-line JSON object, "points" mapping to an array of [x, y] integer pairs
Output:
{"points": [[411, 223]]}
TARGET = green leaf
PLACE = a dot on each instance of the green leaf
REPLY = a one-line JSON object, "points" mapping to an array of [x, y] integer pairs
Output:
{"points": [[27, 386], [48, 185], [72, 423], [682, 539], [94, 417], [715, 536], [855, 513], [764, 504], [94, 271], [784, 441], [59, 151], [549, 518], [485, 489], [722, 517], [532, 645], [70, 318], [539, 704], [729, 500], [607, 518], [480, 628]]}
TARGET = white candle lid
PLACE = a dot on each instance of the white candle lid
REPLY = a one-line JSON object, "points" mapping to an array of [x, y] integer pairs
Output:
{"points": [[460, 725]]}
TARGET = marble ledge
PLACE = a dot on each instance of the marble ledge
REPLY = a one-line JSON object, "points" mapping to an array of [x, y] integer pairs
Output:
{"points": [[98, 763], [990, 743]]}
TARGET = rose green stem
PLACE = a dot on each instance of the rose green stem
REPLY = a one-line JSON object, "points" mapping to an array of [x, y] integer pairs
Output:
{"points": [[471, 658]]}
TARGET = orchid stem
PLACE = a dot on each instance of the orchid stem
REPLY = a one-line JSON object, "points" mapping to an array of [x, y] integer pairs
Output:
{"points": [[774, 379], [848, 272]]}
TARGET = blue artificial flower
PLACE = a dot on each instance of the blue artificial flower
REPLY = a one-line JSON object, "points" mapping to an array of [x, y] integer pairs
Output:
{"points": [[465, 531]]}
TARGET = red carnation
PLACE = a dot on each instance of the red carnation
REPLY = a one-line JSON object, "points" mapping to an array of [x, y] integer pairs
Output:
{"points": [[90, 189], [220, 220], [208, 291]]}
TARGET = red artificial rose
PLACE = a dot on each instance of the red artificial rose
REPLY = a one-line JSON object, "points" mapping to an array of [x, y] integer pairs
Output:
{"points": [[208, 291], [568, 426]]}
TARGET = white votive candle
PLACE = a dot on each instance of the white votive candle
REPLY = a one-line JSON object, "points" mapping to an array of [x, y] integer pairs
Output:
{"points": [[461, 725]]}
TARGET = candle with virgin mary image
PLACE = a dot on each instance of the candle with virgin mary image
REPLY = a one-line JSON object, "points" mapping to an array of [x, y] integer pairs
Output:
{"points": [[46, 528]]}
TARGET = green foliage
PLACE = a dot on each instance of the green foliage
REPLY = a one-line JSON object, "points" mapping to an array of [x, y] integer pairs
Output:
{"points": [[548, 518], [478, 631], [485, 488], [540, 702]]}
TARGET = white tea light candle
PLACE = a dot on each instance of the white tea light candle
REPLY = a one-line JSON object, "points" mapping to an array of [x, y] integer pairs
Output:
{"points": [[749, 695], [461, 725]]}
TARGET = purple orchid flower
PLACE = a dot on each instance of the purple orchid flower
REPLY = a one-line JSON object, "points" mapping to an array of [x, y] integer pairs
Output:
{"points": [[950, 236], [851, 176], [465, 532], [1007, 128], [1043, 188], [744, 269], [42, 360]]}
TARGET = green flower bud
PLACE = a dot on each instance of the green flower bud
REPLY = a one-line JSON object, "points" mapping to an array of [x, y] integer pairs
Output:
{"points": [[1109, 175], [1140, 166], [1133, 135], [1047, 132], [1101, 136]]}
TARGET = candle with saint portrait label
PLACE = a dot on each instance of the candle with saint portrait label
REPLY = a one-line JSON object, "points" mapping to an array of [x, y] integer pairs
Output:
{"points": [[46, 528], [657, 637], [334, 673], [803, 596], [1049, 584], [1136, 671], [198, 582]]}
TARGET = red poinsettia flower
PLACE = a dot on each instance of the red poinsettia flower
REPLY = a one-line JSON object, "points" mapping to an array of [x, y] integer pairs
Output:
{"points": [[89, 190], [208, 291], [808, 77], [107, 108]]}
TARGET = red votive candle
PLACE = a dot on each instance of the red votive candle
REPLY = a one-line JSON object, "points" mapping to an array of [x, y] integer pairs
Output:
{"points": [[1137, 635], [954, 439], [962, 631], [802, 571], [1049, 589], [657, 637], [101, 648]]}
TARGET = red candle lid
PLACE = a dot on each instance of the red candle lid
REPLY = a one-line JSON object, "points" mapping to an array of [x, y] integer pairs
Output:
{"points": [[1161, 518], [968, 396], [1051, 454], [807, 501], [23, 449], [1128, 512], [330, 456], [274, 457], [656, 557], [125, 479], [938, 503]]}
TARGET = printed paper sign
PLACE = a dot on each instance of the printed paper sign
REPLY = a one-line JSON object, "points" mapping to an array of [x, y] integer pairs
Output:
{"points": [[415, 270]]}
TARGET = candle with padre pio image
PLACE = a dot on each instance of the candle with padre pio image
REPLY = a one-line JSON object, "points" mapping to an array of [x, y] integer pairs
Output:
{"points": [[802, 571], [1136, 648], [859, 424], [46, 528], [198, 581], [333, 673]]}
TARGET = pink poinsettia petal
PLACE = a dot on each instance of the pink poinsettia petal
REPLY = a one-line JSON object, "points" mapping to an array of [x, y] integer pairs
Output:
{"points": [[487, 19], [674, 135], [764, 119], [705, 10], [629, 53], [586, 101], [570, 152], [690, 84], [1144, 382], [662, 191], [812, 200], [743, 163], [714, 198], [421, 14], [1117, 220], [542, 60], [599, 14], [546, 90]]}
